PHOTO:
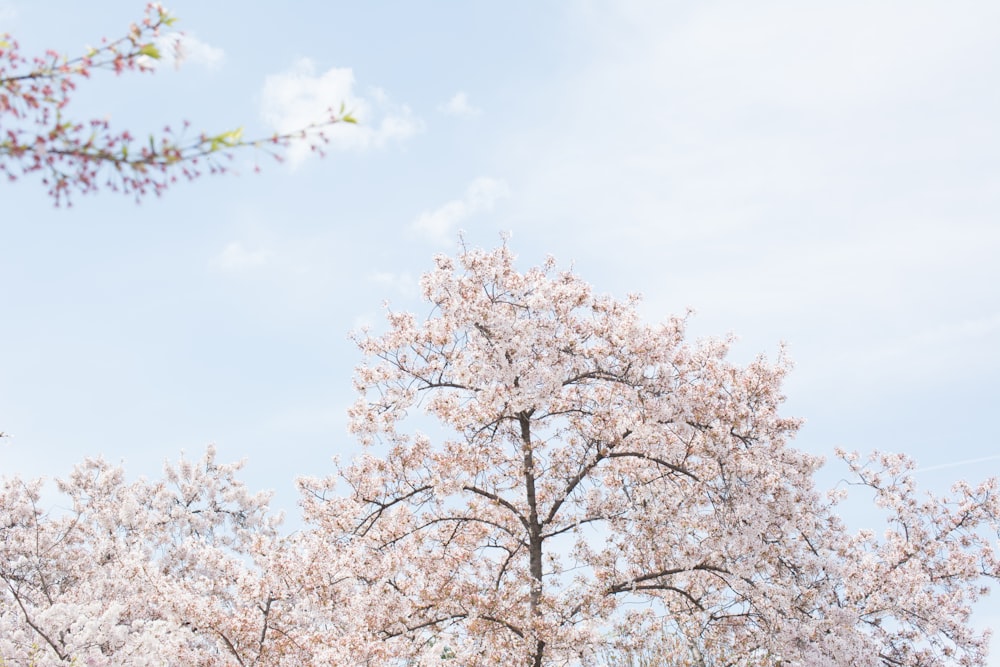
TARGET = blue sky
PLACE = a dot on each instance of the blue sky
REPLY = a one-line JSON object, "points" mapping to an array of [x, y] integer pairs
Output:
{"points": [[824, 174]]}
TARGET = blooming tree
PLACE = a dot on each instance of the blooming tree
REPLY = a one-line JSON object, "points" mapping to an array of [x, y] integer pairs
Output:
{"points": [[82, 156], [187, 570], [547, 478]]}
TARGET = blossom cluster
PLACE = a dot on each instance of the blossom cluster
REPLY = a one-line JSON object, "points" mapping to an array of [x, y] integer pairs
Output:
{"points": [[38, 133]]}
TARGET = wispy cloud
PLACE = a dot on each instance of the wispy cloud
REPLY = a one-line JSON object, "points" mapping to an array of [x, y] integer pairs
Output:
{"points": [[237, 257], [459, 105], [189, 49], [958, 464], [404, 283], [481, 195], [953, 333], [178, 48], [299, 273], [942, 349], [8, 12], [299, 97]]}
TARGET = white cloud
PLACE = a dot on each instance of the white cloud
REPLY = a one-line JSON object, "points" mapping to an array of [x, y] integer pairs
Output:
{"points": [[188, 49], [178, 48], [8, 12], [294, 273], [459, 105], [769, 138], [942, 349], [481, 195], [299, 97], [954, 334], [237, 257], [307, 419], [404, 283]]}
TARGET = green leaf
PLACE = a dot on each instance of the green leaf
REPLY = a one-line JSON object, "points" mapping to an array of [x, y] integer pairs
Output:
{"points": [[150, 50], [225, 140], [345, 116]]}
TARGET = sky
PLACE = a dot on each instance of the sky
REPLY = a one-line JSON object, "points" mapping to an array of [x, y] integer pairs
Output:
{"points": [[824, 175]]}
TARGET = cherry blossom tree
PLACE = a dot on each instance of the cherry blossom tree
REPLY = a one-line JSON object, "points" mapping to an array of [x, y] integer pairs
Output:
{"points": [[187, 570], [547, 479], [37, 133]]}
